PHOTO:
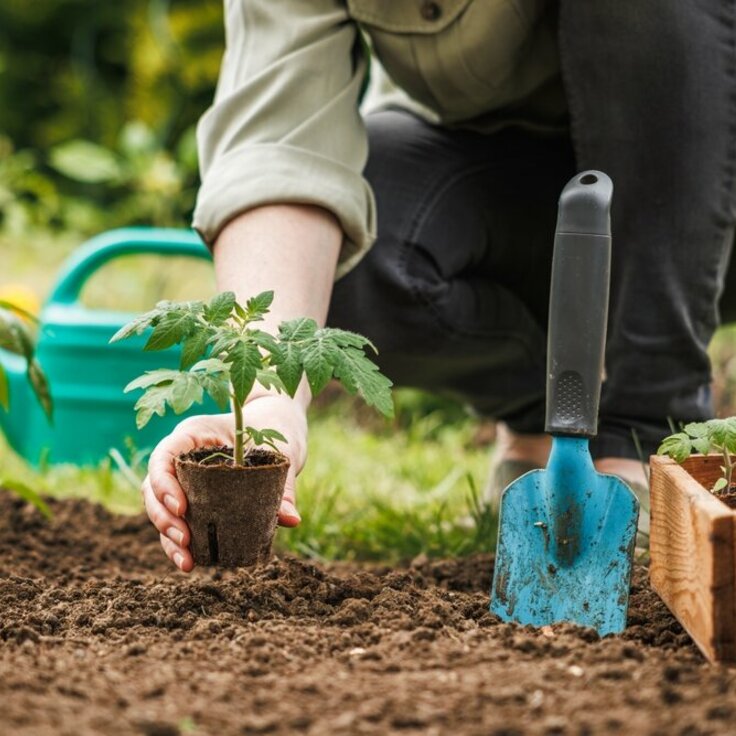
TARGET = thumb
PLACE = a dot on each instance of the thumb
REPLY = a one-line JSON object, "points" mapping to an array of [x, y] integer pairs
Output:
{"points": [[288, 514]]}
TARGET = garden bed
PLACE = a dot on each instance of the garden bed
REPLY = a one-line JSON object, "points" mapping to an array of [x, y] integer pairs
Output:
{"points": [[98, 634]]}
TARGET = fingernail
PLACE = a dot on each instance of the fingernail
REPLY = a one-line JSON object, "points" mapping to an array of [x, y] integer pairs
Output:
{"points": [[178, 560], [288, 509], [175, 535], [171, 504]]}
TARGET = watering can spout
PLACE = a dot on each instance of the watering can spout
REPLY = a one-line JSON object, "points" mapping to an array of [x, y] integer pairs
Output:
{"points": [[13, 423]]}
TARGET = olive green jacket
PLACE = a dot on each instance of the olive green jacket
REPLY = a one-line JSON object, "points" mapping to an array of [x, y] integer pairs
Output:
{"points": [[285, 125]]}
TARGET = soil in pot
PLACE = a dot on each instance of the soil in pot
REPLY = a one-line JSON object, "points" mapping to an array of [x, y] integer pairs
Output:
{"points": [[232, 510]]}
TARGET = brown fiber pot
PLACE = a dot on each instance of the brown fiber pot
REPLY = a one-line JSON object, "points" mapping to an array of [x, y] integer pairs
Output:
{"points": [[232, 511]]}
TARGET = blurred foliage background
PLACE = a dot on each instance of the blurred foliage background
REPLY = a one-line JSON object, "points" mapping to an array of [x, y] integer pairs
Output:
{"points": [[100, 106]]}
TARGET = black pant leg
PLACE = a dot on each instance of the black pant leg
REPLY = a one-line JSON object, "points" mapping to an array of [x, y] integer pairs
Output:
{"points": [[651, 86], [454, 292]]}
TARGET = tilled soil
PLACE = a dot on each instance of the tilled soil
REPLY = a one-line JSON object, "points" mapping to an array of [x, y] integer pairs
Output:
{"points": [[98, 635]]}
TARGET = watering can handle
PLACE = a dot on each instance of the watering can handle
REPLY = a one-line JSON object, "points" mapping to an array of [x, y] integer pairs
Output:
{"points": [[578, 306], [128, 241]]}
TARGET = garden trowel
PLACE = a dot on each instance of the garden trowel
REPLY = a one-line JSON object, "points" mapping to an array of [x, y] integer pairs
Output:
{"points": [[567, 533]]}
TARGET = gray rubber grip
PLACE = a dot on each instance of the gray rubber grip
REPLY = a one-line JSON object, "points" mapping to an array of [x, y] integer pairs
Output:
{"points": [[578, 306]]}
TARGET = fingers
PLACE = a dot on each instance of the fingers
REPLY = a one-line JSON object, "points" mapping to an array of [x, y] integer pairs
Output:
{"points": [[163, 481], [180, 557], [169, 526]]}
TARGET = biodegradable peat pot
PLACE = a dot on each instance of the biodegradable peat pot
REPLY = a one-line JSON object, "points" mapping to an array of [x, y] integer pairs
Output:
{"points": [[693, 551], [232, 511]]}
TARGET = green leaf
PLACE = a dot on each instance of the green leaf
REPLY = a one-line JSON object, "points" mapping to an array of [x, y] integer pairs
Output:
{"points": [[296, 330], [137, 326], [153, 401], [194, 347], [268, 379], [264, 436], [152, 378], [224, 340], [10, 307], [4, 389], [27, 494], [701, 445], [171, 329], [677, 446], [40, 385], [256, 307], [719, 485], [245, 362], [289, 367], [185, 391], [264, 340], [220, 308], [218, 387], [86, 162], [15, 335], [211, 366], [696, 429], [717, 431], [320, 358], [358, 373]]}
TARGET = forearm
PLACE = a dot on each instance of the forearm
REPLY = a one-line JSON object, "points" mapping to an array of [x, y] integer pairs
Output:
{"points": [[290, 249]]}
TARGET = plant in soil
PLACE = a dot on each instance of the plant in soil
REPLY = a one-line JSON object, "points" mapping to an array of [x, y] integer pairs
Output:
{"points": [[234, 493], [16, 337], [714, 435]]}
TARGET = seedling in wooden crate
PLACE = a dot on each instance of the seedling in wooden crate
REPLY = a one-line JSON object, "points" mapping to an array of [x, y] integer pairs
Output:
{"points": [[693, 533]]}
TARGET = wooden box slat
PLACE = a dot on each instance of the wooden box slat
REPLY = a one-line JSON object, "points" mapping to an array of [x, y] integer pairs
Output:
{"points": [[693, 552]]}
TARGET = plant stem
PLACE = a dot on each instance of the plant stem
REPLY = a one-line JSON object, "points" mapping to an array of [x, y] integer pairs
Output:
{"points": [[238, 454], [729, 468]]}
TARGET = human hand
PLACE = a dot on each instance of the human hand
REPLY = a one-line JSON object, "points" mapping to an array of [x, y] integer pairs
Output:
{"points": [[164, 498]]}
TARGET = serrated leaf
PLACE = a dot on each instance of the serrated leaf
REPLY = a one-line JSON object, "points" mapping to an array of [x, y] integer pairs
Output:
{"points": [[223, 341], [153, 401], [185, 391], [359, 373], [289, 367], [152, 378], [218, 387], [701, 445], [345, 338], [677, 446], [245, 362], [696, 429], [296, 330], [27, 494], [211, 366], [717, 430], [136, 326], [268, 379], [264, 340], [194, 347], [719, 485], [320, 358], [220, 308], [264, 436], [40, 385], [171, 329], [257, 306]]}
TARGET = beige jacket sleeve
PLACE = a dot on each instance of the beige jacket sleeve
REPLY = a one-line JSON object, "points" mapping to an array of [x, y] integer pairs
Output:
{"points": [[284, 126]]}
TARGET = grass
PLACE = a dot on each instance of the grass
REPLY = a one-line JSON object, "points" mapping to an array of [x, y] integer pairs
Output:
{"points": [[367, 492]]}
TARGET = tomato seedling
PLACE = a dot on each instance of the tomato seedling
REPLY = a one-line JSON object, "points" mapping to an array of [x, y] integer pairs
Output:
{"points": [[224, 355], [717, 435]]}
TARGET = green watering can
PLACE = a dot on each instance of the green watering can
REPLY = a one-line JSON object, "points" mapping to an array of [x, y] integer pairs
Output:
{"points": [[86, 374]]}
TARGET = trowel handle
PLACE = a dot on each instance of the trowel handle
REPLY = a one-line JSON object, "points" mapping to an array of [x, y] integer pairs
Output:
{"points": [[578, 306], [115, 243]]}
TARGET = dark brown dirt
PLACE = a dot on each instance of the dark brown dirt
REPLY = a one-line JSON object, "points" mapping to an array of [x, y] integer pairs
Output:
{"points": [[98, 635]]}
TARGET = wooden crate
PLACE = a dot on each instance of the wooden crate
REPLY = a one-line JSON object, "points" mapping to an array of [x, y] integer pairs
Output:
{"points": [[693, 552]]}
